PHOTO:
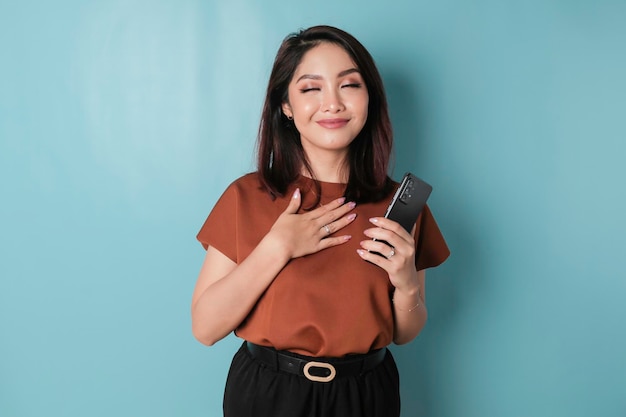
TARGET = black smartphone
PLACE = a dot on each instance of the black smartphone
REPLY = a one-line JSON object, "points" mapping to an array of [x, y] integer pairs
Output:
{"points": [[408, 201]]}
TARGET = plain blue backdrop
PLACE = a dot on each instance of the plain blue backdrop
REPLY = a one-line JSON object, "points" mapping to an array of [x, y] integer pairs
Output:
{"points": [[121, 123]]}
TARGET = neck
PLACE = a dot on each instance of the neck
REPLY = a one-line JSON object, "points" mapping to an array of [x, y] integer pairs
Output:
{"points": [[328, 166], [336, 172]]}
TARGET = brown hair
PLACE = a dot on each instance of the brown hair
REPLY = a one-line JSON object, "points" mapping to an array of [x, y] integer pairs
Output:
{"points": [[280, 156]]}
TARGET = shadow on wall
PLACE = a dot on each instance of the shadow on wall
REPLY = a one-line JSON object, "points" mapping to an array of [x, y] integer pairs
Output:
{"points": [[423, 362]]}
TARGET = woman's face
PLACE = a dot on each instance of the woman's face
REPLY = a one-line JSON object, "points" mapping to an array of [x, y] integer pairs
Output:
{"points": [[328, 100]]}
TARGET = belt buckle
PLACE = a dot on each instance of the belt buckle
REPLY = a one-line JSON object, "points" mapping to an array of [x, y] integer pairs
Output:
{"points": [[315, 378]]}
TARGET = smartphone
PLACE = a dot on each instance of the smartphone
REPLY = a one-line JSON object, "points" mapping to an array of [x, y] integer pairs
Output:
{"points": [[408, 201]]}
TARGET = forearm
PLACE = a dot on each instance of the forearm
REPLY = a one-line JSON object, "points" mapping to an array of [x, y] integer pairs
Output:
{"points": [[224, 304], [410, 315]]}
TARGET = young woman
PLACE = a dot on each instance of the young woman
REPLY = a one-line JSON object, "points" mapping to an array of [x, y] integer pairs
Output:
{"points": [[290, 263]]}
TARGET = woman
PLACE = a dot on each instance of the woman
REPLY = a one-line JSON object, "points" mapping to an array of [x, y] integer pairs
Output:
{"points": [[290, 263]]}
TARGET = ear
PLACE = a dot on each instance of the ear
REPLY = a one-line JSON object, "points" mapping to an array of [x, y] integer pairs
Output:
{"points": [[287, 110]]}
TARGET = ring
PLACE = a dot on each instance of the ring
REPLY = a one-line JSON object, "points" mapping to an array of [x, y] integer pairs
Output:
{"points": [[327, 229], [393, 252]]}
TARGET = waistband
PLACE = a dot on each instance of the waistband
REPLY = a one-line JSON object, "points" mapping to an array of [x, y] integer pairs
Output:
{"points": [[316, 369]]}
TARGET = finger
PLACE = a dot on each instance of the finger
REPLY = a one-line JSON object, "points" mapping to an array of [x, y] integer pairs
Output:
{"points": [[294, 202], [326, 230], [333, 241], [373, 258], [388, 236], [393, 226], [328, 207], [381, 248], [337, 213], [332, 227]]}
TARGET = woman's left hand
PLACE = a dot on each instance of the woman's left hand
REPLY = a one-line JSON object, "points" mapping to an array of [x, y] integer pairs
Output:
{"points": [[398, 259]]}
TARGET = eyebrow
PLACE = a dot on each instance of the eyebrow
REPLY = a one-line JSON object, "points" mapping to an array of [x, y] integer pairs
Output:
{"points": [[319, 77]]}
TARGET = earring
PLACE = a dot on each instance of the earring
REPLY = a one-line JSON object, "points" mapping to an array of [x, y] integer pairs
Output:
{"points": [[290, 117]]}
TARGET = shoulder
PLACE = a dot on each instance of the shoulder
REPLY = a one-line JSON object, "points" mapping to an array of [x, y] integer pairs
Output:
{"points": [[247, 189], [250, 179], [246, 183]]}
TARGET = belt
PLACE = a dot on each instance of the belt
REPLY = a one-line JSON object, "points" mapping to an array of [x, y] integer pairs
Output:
{"points": [[320, 370]]}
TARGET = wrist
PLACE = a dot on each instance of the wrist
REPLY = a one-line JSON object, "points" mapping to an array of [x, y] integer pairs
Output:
{"points": [[407, 301], [275, 249], [409, 290]]}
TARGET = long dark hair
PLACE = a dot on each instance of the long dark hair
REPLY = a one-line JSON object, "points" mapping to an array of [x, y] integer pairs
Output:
{"points": [[280, 156]]}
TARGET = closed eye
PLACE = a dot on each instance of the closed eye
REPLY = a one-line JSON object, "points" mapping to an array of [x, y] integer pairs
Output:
{"points": [[306, 90], [352, 85]]}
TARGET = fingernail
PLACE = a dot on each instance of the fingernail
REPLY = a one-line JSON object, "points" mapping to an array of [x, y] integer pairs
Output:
{"points": [[374, 220], [361, 252], [352, 217], [296, 193], [341, 200], [352, 204], [347, 237], [366, 232]]}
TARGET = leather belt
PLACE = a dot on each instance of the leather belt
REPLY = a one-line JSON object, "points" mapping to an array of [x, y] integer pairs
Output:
{"points": [[317, 369]]}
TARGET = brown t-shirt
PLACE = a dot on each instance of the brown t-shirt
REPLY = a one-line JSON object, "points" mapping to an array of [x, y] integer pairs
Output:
{"points": [[331, 303]]}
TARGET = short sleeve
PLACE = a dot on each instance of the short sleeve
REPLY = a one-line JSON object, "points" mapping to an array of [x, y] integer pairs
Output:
{"points": [[219, 229], [431, 247]]}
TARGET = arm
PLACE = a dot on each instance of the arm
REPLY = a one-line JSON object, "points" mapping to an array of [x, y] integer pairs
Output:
{"points": [[225, 292], [409, 311], [409, 296]]}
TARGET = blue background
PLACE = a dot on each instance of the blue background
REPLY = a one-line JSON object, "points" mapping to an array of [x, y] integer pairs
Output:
{"points": [[121, 122]]}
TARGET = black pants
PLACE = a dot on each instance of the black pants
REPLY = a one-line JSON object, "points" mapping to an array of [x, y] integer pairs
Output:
{"points": [[255, 389]]}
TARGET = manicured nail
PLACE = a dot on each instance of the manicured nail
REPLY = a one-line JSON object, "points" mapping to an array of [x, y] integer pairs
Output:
{"points": [[374, 220], [352, 204], [361, 252], [296, 193], [347, 237], [340, 200], [352, 217]]}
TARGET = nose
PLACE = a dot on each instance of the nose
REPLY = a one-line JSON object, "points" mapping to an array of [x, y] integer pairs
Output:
{"points": [[332, 102]]}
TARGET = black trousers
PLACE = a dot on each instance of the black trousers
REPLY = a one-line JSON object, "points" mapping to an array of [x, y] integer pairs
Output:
{"points": [[256, 389]]}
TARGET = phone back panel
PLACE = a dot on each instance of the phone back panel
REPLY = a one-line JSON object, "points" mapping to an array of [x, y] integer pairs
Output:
{"points": [[408, 201]]}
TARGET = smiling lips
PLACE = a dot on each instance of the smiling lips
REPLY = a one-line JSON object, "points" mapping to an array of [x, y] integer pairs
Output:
{"points": [[332, 123]]}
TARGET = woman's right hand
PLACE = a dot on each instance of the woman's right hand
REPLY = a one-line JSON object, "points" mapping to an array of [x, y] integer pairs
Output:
{"points": [[307, 233]]}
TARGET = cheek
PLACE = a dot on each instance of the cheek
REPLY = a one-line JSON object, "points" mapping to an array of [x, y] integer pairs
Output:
{"points": [[364, 112], [298, 102], [363, 107], [359, 102], [304, 107]]}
